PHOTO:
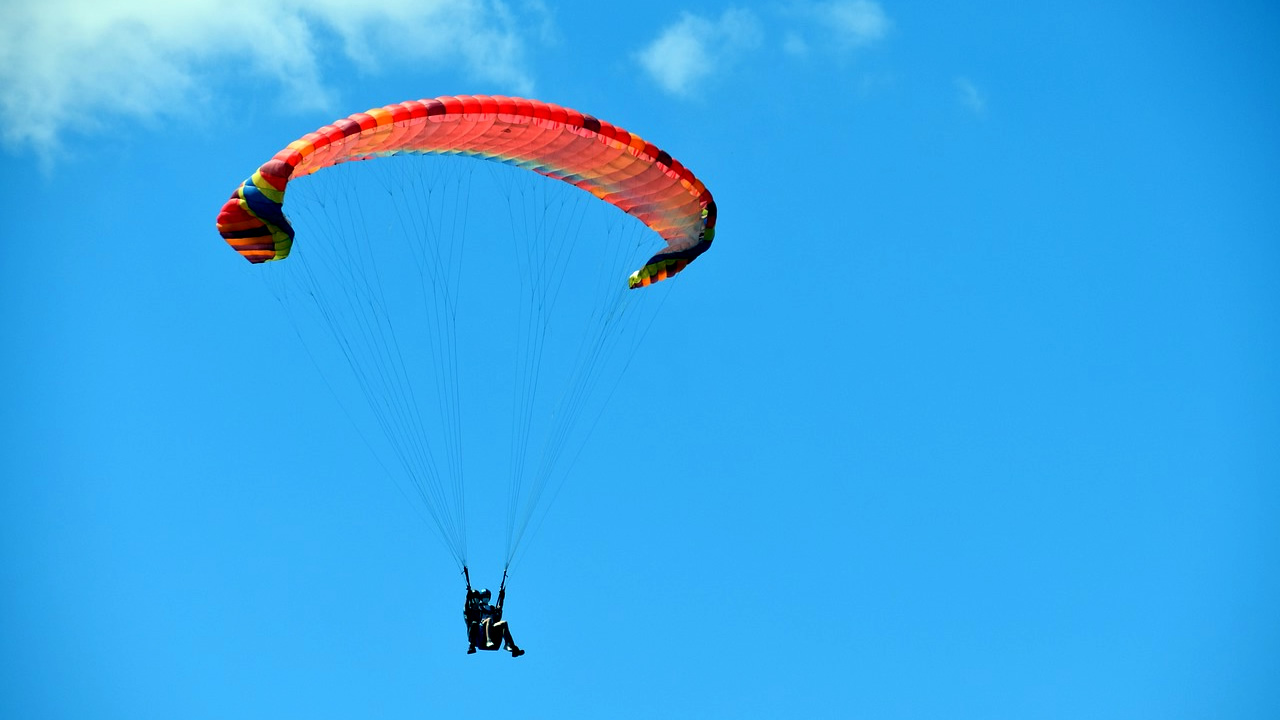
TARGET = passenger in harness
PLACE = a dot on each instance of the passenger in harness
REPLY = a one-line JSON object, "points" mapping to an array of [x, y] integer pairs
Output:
{"points": [[486, 629]]}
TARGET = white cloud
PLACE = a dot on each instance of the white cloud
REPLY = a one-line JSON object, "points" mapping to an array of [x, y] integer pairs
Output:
{"points": [[688, 52], [855, 22], [693, 50], [970, 96], [65, 62], [794, 44]]}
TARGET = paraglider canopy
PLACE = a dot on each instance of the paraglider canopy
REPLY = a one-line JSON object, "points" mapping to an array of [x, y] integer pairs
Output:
{"points": [[607, 161]]}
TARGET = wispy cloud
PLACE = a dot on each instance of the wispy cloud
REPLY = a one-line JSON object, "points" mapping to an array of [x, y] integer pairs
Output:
{"points": [[970, 96], [65, 62], [794, 44], [855, 22], [694, 49], [686, 53]]}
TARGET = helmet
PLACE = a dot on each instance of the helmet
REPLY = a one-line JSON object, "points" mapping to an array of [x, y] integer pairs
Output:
{"points": [[484, 594]]}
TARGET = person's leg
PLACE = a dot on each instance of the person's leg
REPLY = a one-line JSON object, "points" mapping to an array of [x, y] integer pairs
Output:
{"points": [[506, 638], [501, 630]]}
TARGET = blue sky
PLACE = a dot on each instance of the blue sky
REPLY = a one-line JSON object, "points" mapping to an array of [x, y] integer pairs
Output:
{"points": [[970, 412]]}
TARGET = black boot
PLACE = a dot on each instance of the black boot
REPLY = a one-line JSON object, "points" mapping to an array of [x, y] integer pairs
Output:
{"points": [[516, 652], [471, 650]]}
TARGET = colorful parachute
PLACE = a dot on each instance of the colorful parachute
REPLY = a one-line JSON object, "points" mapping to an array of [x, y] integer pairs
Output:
{"points": [[607, 161]]}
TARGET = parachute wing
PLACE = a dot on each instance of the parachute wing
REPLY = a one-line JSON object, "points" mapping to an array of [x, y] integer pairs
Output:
{"points": [[605, 160]]}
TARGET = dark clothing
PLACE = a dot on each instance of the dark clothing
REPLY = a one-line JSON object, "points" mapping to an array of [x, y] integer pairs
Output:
{"points": [[477, 610], [485, 628], [473, 611]]}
